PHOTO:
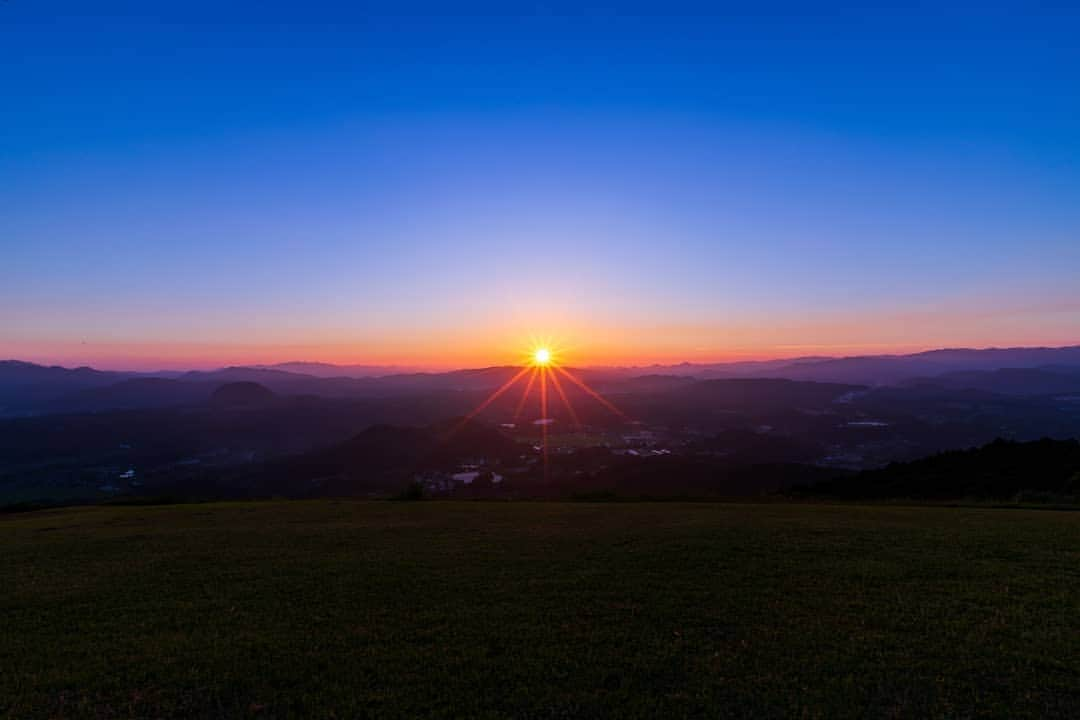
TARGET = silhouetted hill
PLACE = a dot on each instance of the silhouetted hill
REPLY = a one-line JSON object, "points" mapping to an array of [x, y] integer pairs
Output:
{"points": [[241, 394], [383, 458], [1001, 470], [26, 387], [135, 393], [16, 372]]}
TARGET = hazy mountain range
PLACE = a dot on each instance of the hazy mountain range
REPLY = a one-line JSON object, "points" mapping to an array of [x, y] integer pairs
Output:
{"points": [[27, 388], [319, 369]]}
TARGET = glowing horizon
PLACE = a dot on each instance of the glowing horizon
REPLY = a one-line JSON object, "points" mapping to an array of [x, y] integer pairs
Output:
{"points": [[616, 345], [171, 358]]}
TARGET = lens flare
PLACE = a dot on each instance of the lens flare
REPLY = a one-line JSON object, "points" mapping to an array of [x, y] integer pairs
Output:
{"points": [[544, 362]]}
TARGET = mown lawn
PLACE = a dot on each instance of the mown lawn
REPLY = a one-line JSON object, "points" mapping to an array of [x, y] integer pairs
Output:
{"points": [[533, 610]]}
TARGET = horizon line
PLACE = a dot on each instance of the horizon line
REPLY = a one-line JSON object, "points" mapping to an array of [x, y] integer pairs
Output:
{"points": [[401, 368]]}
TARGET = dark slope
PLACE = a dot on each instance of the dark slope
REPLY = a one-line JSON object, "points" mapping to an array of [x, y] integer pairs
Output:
{"points": [[137, 393], [242, 394], [382, 458], [1001, 470]]}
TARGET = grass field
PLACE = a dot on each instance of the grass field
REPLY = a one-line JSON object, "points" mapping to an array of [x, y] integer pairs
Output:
{"points": [[354, 609]]}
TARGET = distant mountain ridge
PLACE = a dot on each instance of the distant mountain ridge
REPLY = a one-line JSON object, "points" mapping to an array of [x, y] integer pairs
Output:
{"points": [[329, 370], [27, 385], [26, 388], [892, 369], [1046, 380]]}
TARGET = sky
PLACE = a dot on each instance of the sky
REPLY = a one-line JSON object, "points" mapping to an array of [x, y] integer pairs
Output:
{"points": [[201, 184]]}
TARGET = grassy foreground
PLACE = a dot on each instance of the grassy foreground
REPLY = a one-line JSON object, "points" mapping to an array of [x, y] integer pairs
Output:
{"points": [[354, 609]]}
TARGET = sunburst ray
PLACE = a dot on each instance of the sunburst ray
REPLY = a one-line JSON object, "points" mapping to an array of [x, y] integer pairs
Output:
{"points": [[490, 399], [595, 395], [565, 399], [544, 420], [525, 394]]}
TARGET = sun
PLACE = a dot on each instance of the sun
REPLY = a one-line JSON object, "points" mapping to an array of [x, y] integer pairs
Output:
{"points": [[541, 356]]}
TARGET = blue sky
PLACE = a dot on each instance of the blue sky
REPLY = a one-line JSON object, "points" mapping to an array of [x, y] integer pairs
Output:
{"points": [[390, 182]]}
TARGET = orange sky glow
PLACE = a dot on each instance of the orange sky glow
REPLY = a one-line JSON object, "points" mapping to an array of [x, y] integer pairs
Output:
{"points": [[578, 345]]}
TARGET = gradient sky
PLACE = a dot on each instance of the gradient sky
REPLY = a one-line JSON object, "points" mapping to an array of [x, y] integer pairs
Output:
{"points": [[269, 181]]}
